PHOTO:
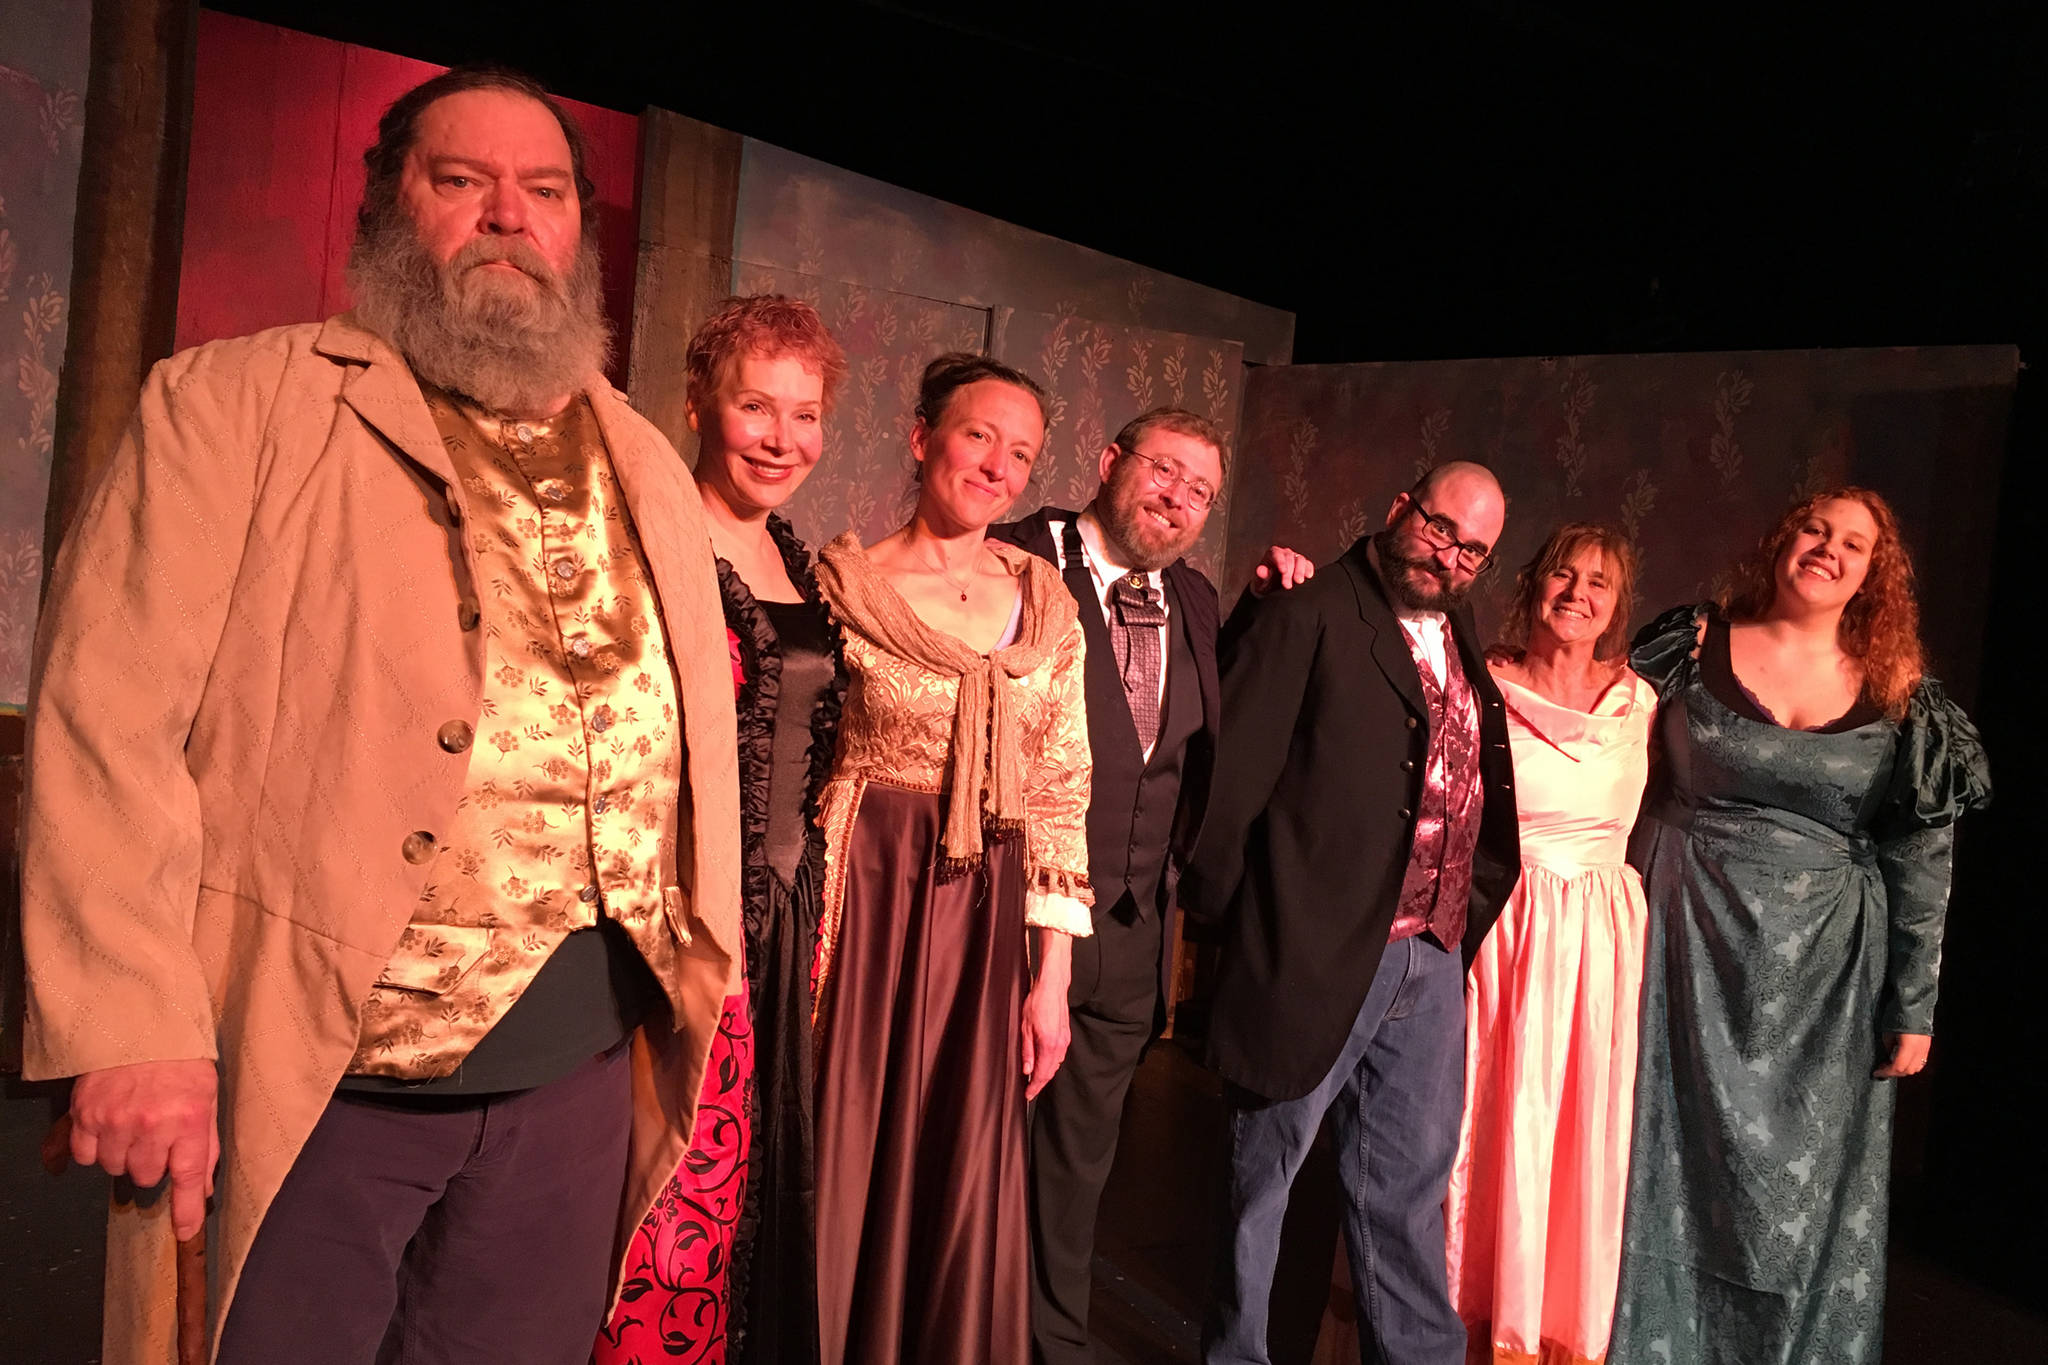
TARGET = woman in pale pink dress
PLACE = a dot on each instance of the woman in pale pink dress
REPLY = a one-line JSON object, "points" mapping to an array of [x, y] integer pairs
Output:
{"points": [[1534, 1214]]}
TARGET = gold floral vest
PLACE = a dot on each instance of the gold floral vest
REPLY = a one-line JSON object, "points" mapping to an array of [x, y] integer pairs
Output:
{"points": [[569, 806]]}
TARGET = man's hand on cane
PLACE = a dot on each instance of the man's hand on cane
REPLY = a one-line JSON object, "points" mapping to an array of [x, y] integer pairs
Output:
{"points": [[147, 1120]]}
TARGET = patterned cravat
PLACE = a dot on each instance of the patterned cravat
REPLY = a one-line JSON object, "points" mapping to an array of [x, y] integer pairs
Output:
{"points": [[1134, 633]]}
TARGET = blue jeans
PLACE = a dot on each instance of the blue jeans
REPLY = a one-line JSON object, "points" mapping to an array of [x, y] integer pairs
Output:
{"points": [[1394, 1098]]}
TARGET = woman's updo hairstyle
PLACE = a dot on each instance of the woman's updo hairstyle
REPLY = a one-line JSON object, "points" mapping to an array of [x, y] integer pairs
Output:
{"points": [[947, 374]]}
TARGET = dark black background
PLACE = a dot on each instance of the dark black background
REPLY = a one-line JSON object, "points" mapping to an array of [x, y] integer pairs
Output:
{"points": [[1484, 178], [1452, 178]]}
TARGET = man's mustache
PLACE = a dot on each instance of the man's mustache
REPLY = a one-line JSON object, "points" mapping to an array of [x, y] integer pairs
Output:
{"points": [[489, 251]]}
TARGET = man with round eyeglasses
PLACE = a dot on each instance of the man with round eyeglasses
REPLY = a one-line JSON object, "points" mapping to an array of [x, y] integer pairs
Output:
{"points": [[1152, 710], [1358, 844]]}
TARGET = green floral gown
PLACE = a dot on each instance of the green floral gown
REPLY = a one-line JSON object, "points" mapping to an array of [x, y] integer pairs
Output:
{"points": [[1797, 883]]}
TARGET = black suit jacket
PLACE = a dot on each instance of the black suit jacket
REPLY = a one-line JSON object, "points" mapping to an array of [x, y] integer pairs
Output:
{"points": [[1307, 835], [1196, 610]]}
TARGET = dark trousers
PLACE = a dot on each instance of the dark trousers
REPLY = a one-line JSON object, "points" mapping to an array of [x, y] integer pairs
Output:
{"points": [[1074, 1123], [1394, 1098], [443, 1232]]}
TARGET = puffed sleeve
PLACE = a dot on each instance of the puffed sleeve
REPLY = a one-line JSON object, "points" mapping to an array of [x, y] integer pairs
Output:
{"points": [[1940, 774], [1667, 643], [1056, 801]]}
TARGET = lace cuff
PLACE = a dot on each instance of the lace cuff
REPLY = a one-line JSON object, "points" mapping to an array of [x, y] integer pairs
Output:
{"points": [[1051, 910]]}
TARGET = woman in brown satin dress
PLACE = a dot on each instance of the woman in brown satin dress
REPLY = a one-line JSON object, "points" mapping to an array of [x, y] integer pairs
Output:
{"points": [[954, 820]]}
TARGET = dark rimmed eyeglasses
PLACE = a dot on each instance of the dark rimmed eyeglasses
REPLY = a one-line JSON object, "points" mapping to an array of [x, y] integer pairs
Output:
{"points": [[1442, 533], [1168, 474]]}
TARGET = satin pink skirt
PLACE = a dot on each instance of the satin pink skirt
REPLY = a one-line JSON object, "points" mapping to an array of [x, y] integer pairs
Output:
{"points": [[1533, 1220]]}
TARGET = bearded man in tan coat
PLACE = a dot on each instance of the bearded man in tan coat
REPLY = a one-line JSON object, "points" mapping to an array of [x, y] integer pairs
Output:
{"points": [[381, 850]]}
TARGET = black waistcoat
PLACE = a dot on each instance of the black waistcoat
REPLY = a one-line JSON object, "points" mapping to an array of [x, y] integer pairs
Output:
{"points": [[1131, 801]]}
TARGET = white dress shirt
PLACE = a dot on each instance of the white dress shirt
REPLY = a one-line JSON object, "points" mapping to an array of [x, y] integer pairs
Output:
{"points": [[1430, 632], [1103, 567]]}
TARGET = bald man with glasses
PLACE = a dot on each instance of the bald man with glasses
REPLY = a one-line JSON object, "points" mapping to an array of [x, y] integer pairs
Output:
{"points": [[1359, 841]]}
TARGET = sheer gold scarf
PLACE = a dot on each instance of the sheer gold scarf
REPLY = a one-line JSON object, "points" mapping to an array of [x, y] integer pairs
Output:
{"points": [[986, 766]]}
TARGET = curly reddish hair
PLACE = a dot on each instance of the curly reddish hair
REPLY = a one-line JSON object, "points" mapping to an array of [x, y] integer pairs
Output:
{"points": [[768, 325], [1564, 545], [1880, 627]]}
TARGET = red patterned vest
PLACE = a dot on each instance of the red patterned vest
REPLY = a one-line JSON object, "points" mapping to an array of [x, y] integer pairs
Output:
{"points": [[1438, 884]]}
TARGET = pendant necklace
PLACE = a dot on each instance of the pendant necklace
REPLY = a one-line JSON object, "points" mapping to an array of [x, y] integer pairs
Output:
{"points": [[941, 572]]}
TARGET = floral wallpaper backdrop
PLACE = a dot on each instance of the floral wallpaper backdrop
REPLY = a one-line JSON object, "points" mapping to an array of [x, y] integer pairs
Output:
{"points": [[900, 277], [798, 213], [1099, 375], [43, 56], [1693, 455]]}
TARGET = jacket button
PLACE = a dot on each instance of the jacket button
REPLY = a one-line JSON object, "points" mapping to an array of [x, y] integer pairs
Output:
{"points": [[1406, 813], [1407, 765], [1411, 722], [469, 614], [418, 846], [455, 736]]}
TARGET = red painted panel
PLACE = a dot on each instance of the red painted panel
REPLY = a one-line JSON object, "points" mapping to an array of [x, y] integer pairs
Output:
{"points": [[258, 188], [279, 124]]}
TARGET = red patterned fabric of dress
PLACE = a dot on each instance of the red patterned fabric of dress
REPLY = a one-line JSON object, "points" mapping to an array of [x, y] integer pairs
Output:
{"points": [[674, 1304]]}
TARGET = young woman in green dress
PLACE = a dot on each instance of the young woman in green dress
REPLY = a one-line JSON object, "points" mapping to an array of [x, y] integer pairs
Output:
{"points": [[1795, 853]]}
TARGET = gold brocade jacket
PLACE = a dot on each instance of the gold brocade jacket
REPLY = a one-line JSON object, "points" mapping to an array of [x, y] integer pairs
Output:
{"points": [[896, 728], [573, 762]]}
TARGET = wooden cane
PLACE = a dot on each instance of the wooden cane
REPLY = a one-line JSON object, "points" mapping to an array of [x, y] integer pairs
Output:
{"points": [[190, 1303], [192, 1299]]}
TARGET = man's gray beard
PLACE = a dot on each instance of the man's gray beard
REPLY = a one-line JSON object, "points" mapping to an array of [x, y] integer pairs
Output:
{"points": [[1392, 573], [511, 348]]}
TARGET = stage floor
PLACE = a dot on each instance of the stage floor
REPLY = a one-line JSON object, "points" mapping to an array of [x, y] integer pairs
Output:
{"points": [[1159, 1221], [1162, 1209]]}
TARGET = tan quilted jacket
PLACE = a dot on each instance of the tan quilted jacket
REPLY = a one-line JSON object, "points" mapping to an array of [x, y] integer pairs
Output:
{"points": [[252, 635]]}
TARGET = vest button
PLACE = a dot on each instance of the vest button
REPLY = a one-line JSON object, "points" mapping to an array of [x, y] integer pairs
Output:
{"points": [[418, 847], [588, 894], [468, 615], [601, 719], [455, 736], [601, 805]]}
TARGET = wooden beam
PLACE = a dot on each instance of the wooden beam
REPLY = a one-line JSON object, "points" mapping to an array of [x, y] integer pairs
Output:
{"points": [[127, 238], [124, 293], [689, 203]]}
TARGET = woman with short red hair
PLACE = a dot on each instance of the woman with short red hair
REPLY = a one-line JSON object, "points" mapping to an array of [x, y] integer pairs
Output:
{"points": [[724, 1268], [1795, 854]]}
